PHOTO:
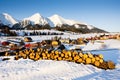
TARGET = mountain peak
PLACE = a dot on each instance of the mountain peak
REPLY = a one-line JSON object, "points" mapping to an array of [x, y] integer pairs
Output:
{"points": [[6, 19], [5, 14], [55, 16], [59, 21], [36, 15], [36, 19]]}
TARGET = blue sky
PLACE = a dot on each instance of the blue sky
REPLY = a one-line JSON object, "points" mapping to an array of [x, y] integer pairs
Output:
{"points": [[104, 14]]}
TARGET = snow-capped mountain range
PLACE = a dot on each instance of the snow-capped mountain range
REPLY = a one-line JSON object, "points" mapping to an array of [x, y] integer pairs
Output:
{"points": [[53, 21]]}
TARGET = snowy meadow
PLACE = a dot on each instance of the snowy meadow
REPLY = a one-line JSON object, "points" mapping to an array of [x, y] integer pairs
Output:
{"points": [[26, 69]]}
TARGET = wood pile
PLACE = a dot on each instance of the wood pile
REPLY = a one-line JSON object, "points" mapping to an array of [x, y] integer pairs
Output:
{"points": [[66, 55]]}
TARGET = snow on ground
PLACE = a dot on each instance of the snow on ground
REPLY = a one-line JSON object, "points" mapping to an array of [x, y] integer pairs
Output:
{"points": [[55, 70], [102, 44], [25, 69], [108, 74], [47, 37], [43, 70]]}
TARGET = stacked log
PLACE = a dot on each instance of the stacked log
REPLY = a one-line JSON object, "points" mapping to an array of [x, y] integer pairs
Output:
{"points": [[66, 55]]}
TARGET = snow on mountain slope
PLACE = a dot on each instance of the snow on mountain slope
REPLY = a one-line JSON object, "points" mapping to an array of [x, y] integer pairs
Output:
{"points": [[90, 27], [36, 19], [6, 19], [50, 22], [59, 21]]}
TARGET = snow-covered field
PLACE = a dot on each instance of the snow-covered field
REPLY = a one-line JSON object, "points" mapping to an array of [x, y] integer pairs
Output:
{"points": [[25, 69]]}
